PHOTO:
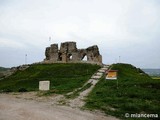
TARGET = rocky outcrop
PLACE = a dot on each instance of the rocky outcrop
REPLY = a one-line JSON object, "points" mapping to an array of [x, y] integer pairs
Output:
{"points": [[68, 52], [9, 72]]}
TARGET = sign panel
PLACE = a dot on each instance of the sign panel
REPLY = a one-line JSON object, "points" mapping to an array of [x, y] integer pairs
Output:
{"points": [[44, 85], [111, 74]]}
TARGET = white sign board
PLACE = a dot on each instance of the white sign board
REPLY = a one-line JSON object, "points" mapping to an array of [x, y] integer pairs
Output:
{"points": [[44, 85], [111, 75]]}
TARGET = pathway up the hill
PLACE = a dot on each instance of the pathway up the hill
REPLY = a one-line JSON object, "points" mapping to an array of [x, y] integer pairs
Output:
{"points": [[78, 102]]}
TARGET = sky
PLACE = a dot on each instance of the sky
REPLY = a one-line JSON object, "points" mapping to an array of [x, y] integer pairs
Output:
{"points": [[126, 31]]}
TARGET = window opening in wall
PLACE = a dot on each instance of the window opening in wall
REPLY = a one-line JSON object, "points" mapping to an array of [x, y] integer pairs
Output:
{"points": [[84, 58], [70, 57]]}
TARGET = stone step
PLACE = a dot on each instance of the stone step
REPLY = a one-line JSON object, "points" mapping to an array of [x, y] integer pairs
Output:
{"points": [[106, 65], [99, 73], [96, 77], [104, 68], [102, 71]]}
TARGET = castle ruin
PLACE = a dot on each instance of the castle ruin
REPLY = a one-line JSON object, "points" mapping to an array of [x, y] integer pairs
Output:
{"points": [[68, 52]]}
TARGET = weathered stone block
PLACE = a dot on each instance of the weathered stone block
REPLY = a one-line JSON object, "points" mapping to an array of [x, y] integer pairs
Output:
{"points": [[99, 74], [44, 85], [54, 48]]}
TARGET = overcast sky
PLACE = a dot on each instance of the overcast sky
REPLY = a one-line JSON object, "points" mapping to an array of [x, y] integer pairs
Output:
{"points": [[126, 28]]}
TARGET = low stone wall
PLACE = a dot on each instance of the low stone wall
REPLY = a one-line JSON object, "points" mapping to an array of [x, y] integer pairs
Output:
{"points": [[52, 62]]}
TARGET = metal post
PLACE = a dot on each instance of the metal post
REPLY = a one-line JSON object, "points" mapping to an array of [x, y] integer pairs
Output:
{"points": [[49, 41], [117, 83], [25, 58], [115, 60], [119, 59]]}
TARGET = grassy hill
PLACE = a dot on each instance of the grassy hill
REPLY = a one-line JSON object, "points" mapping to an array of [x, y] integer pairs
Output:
{"points": [[133, 92], [64, 77], [3, 69]]}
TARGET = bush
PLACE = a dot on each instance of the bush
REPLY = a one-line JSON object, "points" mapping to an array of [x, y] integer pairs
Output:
{"points": [[7, 90], [22, 90]]}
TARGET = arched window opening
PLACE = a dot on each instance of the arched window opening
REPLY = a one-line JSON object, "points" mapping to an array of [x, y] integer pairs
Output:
{"points": [[70, 57], [84, 58]]}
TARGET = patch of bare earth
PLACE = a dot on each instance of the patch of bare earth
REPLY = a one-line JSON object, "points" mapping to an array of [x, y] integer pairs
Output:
{"points": [[30, 106]]}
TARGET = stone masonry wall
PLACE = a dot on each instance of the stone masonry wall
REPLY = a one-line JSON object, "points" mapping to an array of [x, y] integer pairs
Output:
{"points": [[68, 52]]}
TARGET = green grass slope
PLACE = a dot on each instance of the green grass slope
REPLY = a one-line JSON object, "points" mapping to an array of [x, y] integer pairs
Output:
{"points": [[3, 69], [64, 77], [134, 92]]}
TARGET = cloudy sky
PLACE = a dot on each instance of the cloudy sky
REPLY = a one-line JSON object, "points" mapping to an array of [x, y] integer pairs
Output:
{"points": [[126, 28]]}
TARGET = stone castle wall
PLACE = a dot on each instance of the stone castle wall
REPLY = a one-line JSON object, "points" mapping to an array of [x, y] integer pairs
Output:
{"points": [[68, 52]]}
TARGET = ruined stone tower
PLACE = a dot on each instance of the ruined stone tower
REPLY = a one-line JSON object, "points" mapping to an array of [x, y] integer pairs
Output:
{"points": [[68, 52]]}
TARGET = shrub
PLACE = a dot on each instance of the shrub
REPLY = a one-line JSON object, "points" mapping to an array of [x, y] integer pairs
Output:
{"points": [[7, 90], [22, 90]]}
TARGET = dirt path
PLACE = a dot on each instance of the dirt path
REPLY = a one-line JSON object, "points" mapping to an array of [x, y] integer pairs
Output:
{"points": [[28, 107]]}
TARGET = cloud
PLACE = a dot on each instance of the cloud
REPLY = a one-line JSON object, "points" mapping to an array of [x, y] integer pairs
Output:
{"points": [[119, 28], [11, 44]]}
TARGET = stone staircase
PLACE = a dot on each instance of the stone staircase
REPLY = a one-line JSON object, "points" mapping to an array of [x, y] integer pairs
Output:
{"points": [[79, 101]]}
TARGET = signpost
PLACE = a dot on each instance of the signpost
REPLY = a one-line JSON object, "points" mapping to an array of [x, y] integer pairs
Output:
{"points": [[111, 75]]}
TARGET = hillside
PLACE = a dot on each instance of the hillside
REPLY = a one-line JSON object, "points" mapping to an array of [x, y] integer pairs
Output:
{"points": [[2, 72], [133, 92], [3, 69], [64, 77], [154, 73]]}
